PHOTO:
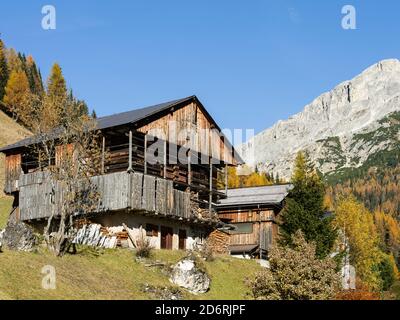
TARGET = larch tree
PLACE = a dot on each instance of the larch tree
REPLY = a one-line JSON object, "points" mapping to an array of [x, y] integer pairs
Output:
{"points": [[304, 209], [56, 85], [3, 70], [58, 93], [13, 61], [357, 225], [233, 178], [16, 98]]}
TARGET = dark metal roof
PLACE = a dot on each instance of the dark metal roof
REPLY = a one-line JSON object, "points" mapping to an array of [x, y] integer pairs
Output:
{"points": [[255, 195], [137, 114], [113, 120], [125, 118]]}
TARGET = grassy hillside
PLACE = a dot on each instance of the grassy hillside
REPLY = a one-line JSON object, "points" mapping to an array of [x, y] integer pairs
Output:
{"points": [[5, 209], [114, 274]]}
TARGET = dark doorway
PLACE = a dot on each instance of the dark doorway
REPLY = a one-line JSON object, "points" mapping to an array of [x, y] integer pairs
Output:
{"points": [[182, 239], [166, 238]]}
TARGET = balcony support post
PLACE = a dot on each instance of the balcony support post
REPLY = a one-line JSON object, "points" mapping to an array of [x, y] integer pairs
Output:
{"points": [[210, 192], [130, 151], [145, 154], [103, 150]]}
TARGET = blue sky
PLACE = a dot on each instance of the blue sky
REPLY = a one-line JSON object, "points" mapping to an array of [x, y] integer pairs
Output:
{"points": [[251, 63]]}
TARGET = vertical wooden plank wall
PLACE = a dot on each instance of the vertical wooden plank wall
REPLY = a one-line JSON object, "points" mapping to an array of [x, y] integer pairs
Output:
{"points": [[197, 125], [118, 191], [12, 172]]}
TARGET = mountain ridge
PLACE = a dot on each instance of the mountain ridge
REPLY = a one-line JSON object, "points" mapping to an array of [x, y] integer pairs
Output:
{"points": [[328, 128]]}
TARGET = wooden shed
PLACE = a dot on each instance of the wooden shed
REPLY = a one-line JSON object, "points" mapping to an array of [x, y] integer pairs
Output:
{"points": [[252, 213]]}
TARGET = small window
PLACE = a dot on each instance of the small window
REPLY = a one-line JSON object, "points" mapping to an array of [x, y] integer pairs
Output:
{"points": [[151, 230], [242, 228]]}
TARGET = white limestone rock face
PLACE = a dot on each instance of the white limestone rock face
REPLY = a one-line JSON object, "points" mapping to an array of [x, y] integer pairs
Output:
{"points": [[340, 129], [186, 275]]}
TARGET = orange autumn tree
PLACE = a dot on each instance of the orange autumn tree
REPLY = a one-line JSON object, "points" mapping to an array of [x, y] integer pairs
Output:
{"points": [[247, 178], [357, 223]]}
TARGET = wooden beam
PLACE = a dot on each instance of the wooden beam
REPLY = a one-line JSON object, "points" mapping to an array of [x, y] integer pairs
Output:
{"points": [[210, 191], [145, 154], [165, 159], [189, 167], [130, 151], [103, 150], [226, 179]]}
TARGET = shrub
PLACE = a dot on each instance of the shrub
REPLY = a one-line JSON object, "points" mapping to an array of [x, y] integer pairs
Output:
{"points": [[143, 247], [296, 273], [207, 252]]}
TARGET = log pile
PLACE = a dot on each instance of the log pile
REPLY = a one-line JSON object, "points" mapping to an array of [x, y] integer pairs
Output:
{"points": [[177, 173], [93, 234], [201, 211], [218, 242]]}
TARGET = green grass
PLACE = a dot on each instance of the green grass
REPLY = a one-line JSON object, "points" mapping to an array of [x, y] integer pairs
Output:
{"points": [[5, 209], [115, 274]]}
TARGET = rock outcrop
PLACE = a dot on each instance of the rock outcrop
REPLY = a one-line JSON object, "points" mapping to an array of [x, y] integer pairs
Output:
{"points": [[19, 236], [340, 129], [187, 275]]}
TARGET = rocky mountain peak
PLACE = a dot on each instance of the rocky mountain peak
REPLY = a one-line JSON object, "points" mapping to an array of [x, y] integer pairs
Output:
{"points": [[353, 107]]}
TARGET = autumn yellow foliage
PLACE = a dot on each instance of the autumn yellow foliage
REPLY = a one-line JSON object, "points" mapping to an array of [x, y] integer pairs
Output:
{"points": [[389, 233], [253, 179], [357, 223]]}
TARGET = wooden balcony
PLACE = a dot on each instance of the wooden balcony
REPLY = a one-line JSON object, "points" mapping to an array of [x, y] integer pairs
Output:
{"points": [[121, 191]]}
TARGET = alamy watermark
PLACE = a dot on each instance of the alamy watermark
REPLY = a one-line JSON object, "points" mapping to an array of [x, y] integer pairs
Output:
{"points": [[49, 20], [199, 146], [49, 280], [349, 21]]}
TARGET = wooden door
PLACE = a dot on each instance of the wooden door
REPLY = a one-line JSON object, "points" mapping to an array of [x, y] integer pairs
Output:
{"points": [[166, 238], [182, 239]]}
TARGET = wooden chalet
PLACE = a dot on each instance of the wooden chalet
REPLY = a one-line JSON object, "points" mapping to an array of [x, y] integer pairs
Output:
{"points": [[174, 202], [251, 213]]}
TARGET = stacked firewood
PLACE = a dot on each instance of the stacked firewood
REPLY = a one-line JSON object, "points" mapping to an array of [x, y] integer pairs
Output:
{"points": [[96, 235], [218, 242], [199, 211]]}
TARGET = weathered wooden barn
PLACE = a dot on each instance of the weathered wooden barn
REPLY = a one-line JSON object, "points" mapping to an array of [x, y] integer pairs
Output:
{"points": [[173, 200], [253, 212]]}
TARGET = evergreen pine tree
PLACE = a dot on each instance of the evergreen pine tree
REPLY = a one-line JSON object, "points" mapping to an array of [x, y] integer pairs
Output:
{"points": [[34, 77], [304, 209], [3, 70]]}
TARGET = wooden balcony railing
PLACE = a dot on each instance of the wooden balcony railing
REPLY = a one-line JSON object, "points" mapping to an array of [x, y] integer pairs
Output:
{"points": [[133, 191]]}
